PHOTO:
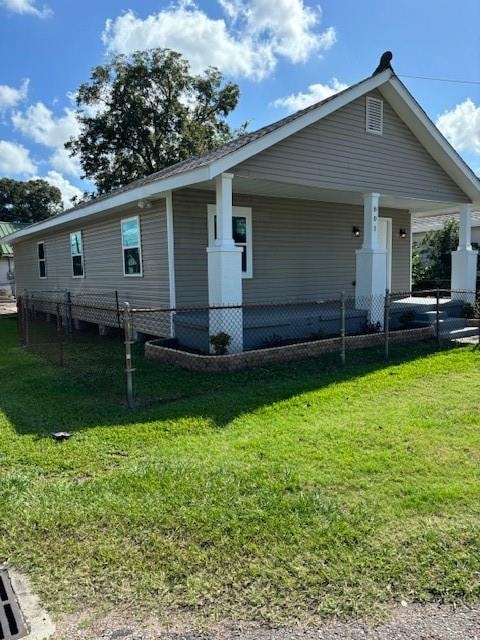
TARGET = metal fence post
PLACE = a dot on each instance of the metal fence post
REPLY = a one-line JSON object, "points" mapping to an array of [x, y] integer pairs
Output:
{"points": [[59, 335], [127, 328], [437, 318], [342, 327], [386, 323], [118, 309], [27, 322]]}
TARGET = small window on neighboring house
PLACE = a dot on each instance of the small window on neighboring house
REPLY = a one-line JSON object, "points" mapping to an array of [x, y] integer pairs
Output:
{"points": [[131, 247], [374, 115], [42, 260], [76, 250], [241, 233]]}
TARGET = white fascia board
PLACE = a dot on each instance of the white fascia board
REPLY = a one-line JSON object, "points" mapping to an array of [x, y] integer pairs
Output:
{"points": [[154, 189], [244, 153], [427, 133]]}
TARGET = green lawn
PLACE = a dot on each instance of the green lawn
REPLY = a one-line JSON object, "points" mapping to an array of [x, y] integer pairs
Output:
{"points": [[277, 494]]}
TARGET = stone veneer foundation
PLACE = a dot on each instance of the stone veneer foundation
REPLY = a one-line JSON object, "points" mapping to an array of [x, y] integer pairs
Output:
{"points": [[154, 350]]}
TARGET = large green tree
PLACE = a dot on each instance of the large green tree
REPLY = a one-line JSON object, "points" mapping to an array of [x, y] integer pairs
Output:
{"points": [[432, 257], [28, 201], [141, 113]]}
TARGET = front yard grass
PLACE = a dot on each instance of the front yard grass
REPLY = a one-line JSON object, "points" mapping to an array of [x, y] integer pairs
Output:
{"points": [[279, 494]]}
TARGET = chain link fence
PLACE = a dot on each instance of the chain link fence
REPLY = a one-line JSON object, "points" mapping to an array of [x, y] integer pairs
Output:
{"points": [[100, 339]]}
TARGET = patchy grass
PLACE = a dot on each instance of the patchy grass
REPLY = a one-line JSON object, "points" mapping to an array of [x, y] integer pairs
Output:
{"points": [[278, 494]]}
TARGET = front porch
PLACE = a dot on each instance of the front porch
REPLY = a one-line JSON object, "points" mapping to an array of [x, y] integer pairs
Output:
{"points": [[363, 260], [272, 325]]}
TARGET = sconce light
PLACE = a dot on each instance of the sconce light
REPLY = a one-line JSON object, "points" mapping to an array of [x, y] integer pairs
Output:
{"points": [[402, 233], [356, 231]]}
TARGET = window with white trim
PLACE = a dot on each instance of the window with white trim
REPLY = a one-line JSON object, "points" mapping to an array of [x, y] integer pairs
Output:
{"points": [[131, 246], [76, 251], [241, 233], [374, 115], [42, 260]]}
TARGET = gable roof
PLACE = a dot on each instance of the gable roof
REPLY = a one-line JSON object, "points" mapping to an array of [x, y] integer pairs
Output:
{"points": [[7, 229], [209, 165]]}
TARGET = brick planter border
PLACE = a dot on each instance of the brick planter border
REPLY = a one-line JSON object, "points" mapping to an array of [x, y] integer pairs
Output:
{"points": [[154, 350]]}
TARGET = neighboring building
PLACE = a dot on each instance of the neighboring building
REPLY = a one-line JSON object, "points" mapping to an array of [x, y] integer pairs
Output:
{"points": [[7, 271], [301, 210], [421, 226]]}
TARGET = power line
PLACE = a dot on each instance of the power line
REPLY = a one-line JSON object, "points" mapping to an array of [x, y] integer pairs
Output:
{"points": [[403, 75]]}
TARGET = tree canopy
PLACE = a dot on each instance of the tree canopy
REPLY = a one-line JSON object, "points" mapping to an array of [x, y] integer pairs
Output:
{"points": [[141, 113], [432, 257], [28, 201]]}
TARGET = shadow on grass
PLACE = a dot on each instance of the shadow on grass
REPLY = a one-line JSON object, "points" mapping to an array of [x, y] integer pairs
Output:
{"points": [[39, 397]]}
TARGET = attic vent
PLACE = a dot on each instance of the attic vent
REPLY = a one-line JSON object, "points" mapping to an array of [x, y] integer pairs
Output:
{"points": [[374, 116]]}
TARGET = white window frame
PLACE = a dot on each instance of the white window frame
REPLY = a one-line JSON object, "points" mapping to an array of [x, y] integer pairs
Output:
{"points": [[240, 212], [44, 259], [74, 255], [139, 247]]}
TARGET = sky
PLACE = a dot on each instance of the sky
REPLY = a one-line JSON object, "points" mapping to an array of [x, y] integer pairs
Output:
{"points": [[284, 54]]}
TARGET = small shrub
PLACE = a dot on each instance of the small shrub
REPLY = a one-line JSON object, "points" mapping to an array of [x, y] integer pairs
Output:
{"points": [[471, 310], [407, 319], [370, 327], [220, 343]]}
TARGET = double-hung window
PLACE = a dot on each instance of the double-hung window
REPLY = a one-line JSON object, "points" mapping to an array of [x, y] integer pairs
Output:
{"points": [[42, 260], [241, 233], [76, 251], [131, 247]]}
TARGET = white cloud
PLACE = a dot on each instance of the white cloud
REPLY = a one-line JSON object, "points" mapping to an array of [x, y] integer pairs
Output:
{"points": [[461, 126], [40, 125], [315, 93], [248, 43], [67, 189], [10, 96], [15, 159], [26, 7]]}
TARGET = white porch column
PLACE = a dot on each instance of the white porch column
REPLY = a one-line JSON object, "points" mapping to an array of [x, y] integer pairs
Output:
{"points": [[225, 271], [371, 263], [464, 260]]}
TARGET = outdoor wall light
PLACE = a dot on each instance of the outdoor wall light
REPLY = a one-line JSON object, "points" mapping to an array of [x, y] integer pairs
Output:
{"points": [[402, 233], [356, 231]]}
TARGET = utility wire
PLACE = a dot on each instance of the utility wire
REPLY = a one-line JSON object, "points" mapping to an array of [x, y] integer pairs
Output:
{"points": [[403, 75]]}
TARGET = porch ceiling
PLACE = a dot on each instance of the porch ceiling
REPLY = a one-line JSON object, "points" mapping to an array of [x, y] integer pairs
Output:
{"points": [[270, 188]]}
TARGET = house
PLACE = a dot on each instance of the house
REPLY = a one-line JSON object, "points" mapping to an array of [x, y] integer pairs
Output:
{"points": [[318, 203], [7, 272]]}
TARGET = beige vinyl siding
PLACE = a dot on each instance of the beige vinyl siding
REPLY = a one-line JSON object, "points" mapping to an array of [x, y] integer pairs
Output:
{"points": [[302, 250], [338, 153], [103, 266]]}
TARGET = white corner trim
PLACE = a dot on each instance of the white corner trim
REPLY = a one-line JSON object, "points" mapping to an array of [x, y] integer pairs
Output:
{"points": [[171, 249]]}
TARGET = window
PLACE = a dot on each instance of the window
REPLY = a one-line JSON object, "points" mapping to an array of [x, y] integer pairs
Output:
{"points": [[374, 115], [241, 233], [42, 261], [131, 247], [76, 250]]}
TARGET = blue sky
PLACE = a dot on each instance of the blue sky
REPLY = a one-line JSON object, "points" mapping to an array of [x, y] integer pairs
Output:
{"points": [[283, 53]]}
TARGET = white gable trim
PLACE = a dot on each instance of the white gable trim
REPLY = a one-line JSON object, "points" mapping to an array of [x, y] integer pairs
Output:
{"points": [[412, 114], [323, 110], [391, 88]]}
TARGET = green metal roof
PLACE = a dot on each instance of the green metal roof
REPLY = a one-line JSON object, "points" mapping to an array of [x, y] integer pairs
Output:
{"points": [[6, 228]]}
